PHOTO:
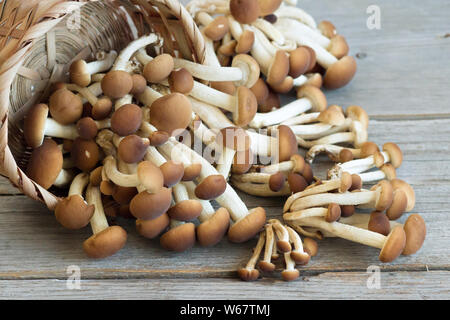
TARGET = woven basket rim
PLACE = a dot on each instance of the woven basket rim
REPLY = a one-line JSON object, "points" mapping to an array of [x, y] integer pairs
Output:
{"points": [[35, 23]]}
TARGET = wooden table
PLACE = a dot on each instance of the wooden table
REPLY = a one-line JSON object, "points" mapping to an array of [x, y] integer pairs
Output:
{"points": [[402, 81]]}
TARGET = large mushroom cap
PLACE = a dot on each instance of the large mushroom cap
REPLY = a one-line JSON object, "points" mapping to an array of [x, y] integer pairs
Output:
{"points": [[250, 70], [211, 187], [116, 84], [147, 206], [126, 120], [394, 245], [45, 164], [299, 60], [210, 232], [340, 73], [172, 172], [65, 106], [181, 81], [102, 109], [359, 114], [150, 176], [385, 197], [87, 128], [79, 73], [186, 210], [287, 143], [159, 68], [409, 191], [171, 113], [395, 153], [132, 149], [247, 227], [277, 181], [368, 148], [260, 90], [151, 229], [192, 172], [105, 243], [179, 239], [245, 11], [73, 212], [338, 46], [34, 125], [246, 107], [85, 154], [297, 183], [233, 138], [379, 222], [315, 95], [279, 68], [217, 29], [415, 231], [332, 115]]}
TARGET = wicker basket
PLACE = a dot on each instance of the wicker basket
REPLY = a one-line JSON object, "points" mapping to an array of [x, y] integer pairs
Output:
{"points": [[40, 39]]}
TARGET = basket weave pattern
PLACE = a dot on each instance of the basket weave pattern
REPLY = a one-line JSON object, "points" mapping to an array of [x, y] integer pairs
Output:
{"points": [[40, 39]]}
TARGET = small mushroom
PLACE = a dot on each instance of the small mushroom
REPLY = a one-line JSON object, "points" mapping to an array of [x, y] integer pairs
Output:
{"points": [[215, 28], [181, 81], [341, 154], [265, 264], [245, 11], [151, 229], [298, 254], [81, 71], [289, 273], [185, 209], [250, 273], [171, 113], [65, 107], [231, 140], [88, 128], [283, 243], [73, 212], [85, 154], [101, 107], [127, 120], [180, 237], [331, 214], [106, 240]]}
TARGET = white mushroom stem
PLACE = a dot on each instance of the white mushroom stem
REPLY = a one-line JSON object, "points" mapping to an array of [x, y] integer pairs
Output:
{"points": [[372, 176], [103, 64], [260, 189], [366, 237], [180, 193], [64, 178], [225, 162], [296, 240], [256, 252], [304, 118], [117, 177], [176, 223], [127, 99], [208, 210], [57, 130], [126, 54], [348, 198], [209, 73], [269, 246], [213, 117], [303, 30], [296, 13], [98, 220], [214, 97], [368, 162], [280, 230], [262, 144], [306, 213], [284, 113], [331, 150], [269, 30], [78, 184], [306, 131], [90, 94], [255, 177], [300, 80], [284, 166]]}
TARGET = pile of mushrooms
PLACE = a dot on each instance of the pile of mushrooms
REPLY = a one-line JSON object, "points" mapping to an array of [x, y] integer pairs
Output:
{"points": [[168, 142]]}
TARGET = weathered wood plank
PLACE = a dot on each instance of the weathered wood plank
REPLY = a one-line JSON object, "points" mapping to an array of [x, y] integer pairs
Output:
{"points": [[345, 285]]}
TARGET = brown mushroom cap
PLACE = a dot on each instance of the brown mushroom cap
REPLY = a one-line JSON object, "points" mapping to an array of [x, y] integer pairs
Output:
{"points": [[260, 90], [340, 73], [210, 232], [332, 115], [394, 245], [150, 176], [34, 125], [107, 188], [116, 84], [102, 109], [245, 11], [179, 239], [73, 212], [327, 28], [227, 87], [356, 182], [132, 149], [268, 7], [284, 87], [389, 170], [151, 229], [233, 138], [308, 173], [105, 243], [159, 68], [315, 95], [310, 246], [181, 81], [347, 211], [173, 172], [217, 29], [87, 128], [287, 143], [415, 231], [85, 154], [192, 172], [313, 60], [79, 73], [359, 114], [242, 162], [345, 155], [158, 138], [246, 106], [395, 153], [148, 206], [315, 79], [277, 181], [301, 258], [266, 266], [171, 113], [299, 163], [379, 222], [384, 200], [245, 42], [250, 70], [65, 106], [368, 149], [185, 210], [139, 84], [338, 46], [279, 68], [227, 49], [297, 183], [123, 195], [299, 60], [409, 191], [126, 120], [95, 177], [45, 164], [290, 275], [248, 275], [211, 187], [333, 213], [346, 182], [247, 227], [272, 102]]}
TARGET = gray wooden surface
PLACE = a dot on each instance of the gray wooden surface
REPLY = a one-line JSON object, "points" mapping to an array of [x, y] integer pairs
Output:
{"points": [[402, 81]]}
